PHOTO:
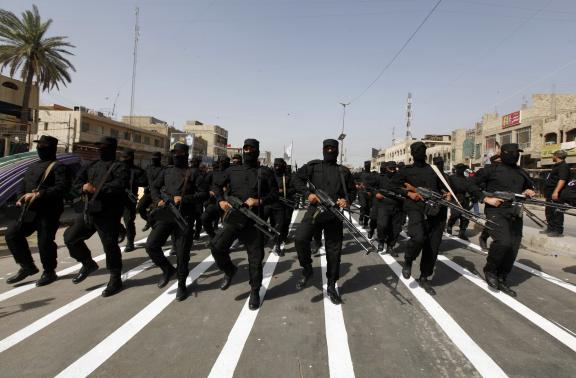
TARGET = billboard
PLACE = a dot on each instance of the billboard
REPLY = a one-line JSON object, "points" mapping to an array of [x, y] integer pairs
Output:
{"points": [[548, 150], [512, 119]]}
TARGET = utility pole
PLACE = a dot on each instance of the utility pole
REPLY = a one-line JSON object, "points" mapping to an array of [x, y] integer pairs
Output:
{"points": [[409, 117], [136, 37], [342, 135]]}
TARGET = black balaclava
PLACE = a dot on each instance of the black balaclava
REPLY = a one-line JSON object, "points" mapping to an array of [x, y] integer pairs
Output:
{"points": [[180, 155], [439, 162], [224, 163], [367, 165], [510, 153], [279, 166], [157, 159], [460, 169], [418, 152], [107, 148], [391, 168], [46, 148], [383, 168], [332, 156], [237, 159], [251, 158], [128, 157]]}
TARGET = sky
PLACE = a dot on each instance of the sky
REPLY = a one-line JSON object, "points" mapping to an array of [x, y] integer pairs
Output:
{"points": [[278, 70]]}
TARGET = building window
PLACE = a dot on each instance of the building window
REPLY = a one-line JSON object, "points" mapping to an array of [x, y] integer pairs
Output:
{"points": [[10, 85], [137, 138], [491, 143], [127, 135], [114, 133], [551, 138], [477, 151], [506, 138], [45, 126], [571, 135], [100, 130], [147, 140], [156, 143], [523, 137], [85, 126]]}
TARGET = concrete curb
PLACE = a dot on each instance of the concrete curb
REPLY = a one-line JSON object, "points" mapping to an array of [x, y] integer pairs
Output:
{"points": [[532, 239]]}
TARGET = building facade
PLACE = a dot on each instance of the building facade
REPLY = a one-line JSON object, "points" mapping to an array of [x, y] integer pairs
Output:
{"points": [[216, 137], [437, 145], [15, 137], [80, 128]]}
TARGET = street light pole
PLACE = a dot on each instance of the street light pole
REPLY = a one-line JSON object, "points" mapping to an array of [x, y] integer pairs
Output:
{"points": [[342, 135]]}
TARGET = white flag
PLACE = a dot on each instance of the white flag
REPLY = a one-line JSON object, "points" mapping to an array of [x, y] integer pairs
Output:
{"points": [[288, 152]]}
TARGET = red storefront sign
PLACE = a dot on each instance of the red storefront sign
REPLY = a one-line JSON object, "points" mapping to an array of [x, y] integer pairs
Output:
{"points": [[511, 119]]}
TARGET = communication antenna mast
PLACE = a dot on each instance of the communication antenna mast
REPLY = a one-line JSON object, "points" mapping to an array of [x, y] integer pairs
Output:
{"points": [[136, 38], [393, 135], [409, 117]]}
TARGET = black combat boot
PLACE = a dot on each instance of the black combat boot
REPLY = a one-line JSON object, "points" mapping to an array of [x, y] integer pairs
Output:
{"points": [[254, 301], [227, 280], [129, 246], [47, 278], [168, 272], [462, 235], [88, 267], [381, 247], [182, 292], [24, 272], [505, 288], [370, 233], [426, 285], [315, 246], [407, 269], [390, 249], [333, 294], [307, 272], [114, 285], [491, 279]]}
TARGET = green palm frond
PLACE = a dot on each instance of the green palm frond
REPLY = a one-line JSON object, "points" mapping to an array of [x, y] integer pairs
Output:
{"points": [[24, 46]]}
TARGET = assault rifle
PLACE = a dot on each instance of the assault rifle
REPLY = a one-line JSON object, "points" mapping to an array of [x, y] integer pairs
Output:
{"points": [[259, 223], [131, 196], [521, 199], [437, 199], [173, 209], [326, 203]]}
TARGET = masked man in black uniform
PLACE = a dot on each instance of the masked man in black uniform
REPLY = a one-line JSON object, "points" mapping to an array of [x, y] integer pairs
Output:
{"points": [[137, 179], [365, 195], [280, 213], [256, 187], [462, 189], [212, 211], [556, 181], [507, 177], [176, 184], [425, 222], [388, 208], [152, 172], [42, 191], [337, 182], [103, 184]]}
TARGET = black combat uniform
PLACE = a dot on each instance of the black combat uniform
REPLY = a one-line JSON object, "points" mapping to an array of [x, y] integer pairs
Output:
{"points": [[365, 195], [337, 182], [137, 179], [555, 219], [249, 183], [425, 222], [280, 212], [152, 172], [484, 235], [177, 184], [106, 180], [387, 207], [462, 189], [42, 214], [212, 211], [203, 186], [507, 177]]}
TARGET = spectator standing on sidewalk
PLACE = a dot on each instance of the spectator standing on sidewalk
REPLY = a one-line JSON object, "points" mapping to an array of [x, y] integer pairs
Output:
{"points": [[555, 182]]}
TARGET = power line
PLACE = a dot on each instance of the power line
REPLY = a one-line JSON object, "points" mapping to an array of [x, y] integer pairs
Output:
{"points": [[398, 53]]}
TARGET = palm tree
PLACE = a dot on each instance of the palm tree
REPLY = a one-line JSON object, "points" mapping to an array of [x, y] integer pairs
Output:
{"points": [[24, 47]]}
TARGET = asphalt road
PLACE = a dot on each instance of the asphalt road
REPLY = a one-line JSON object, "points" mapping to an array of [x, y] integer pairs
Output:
{"points": [[387, 326]]}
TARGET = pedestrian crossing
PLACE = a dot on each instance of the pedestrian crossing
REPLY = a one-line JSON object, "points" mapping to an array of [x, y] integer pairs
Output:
{"points": [[227, 339]]}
